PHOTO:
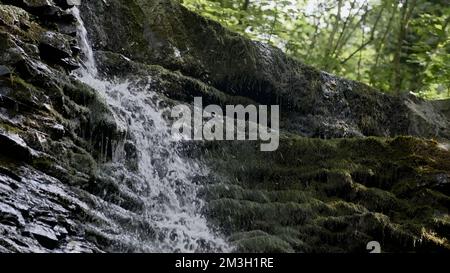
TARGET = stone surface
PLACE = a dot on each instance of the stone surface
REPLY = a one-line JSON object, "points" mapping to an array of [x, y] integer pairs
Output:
{"points": [[313, 103], [67, 4], [332, 195], [59, 191], [4, 71], [47, 10], [35, 213], [57, 48]]}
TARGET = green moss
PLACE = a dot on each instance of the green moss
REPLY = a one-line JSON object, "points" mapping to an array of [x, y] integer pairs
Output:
{"points": [[79, 93], [82, 162], [263, 244], [23, 91]]}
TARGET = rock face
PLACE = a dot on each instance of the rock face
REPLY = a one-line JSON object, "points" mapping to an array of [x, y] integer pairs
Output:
{"points": [[57, 135], [313, 103], [333, 195], [40, 134], [36, 214]]}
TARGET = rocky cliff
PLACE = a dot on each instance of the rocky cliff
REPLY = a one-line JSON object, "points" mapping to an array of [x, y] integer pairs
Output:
{"points": [[354, 164]]}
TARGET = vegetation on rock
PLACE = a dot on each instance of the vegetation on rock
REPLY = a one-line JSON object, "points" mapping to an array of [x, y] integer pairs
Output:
{"points": [[316, 195], [354, 164], [393, 45]]}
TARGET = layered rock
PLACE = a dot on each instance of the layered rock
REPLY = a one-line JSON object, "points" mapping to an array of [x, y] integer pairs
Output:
{"points": [[331, 195], [328, 195], [316, 195], [313, 103], [49, 135]]}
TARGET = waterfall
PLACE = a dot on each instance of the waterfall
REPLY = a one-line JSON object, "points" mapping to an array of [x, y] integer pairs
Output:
{"points": [[161, 179]]}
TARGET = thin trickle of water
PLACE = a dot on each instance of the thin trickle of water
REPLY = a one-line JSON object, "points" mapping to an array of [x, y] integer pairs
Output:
{"points": [[161, 178], [89, 61]]}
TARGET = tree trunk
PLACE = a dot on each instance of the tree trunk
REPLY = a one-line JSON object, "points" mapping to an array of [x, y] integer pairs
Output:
{"points": [[405, 16]]}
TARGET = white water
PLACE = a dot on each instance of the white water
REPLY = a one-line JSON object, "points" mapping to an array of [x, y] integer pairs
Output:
{"points": [[89, 63], [163, 179]]}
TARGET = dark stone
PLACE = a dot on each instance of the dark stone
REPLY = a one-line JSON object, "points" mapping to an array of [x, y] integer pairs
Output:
{"points": [[69, 64], [10, 53], [57, 131], [10, 173], [314, 103], [67, 4], [322, 191], [38, 3], [56, 48], [4, 71], [58, 15], [67, 29]]}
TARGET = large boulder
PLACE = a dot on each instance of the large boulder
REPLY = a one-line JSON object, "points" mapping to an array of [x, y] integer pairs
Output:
{"points": [[58, 137]]}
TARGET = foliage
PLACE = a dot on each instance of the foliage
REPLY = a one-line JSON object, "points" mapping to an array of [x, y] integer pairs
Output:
{"points": [[312, 194], [394, 45]]}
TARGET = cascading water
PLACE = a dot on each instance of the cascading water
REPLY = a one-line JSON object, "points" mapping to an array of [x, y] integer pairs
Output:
{"points": [[161, 179]]}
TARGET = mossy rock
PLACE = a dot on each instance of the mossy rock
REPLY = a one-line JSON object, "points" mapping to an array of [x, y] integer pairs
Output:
{"points": [[314, 194], [260, 242], [314, 103]]}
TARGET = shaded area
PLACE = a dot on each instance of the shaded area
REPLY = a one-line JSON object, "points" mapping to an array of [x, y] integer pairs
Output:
{"points": [[312, 195], [317, 195]]}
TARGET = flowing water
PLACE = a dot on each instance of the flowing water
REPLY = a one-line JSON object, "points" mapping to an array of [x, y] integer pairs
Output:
{"points": [[161, 179]]}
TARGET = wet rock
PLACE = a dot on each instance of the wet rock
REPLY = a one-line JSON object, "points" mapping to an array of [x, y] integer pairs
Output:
{"points": [[47, 10], [31, 5], [10, 216], [4, 71], [38, 3], [56, 14], [131, 154], [424, 117], [14, 146], [60, 231], [69, 64], [44, 235], [443, 183], [10, 53], [325, 199], [316, 104], [371, 185], [10, 173], [67, 4], [68, 29], [57, 131], [37, 214], [38, 71], [56, 48]]}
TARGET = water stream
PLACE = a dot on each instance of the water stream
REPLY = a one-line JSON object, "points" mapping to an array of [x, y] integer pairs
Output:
{"points": [[161, 179]]}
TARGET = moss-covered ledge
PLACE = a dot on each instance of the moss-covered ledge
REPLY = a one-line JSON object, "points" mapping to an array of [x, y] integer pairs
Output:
{"points": [[316, 195]]}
